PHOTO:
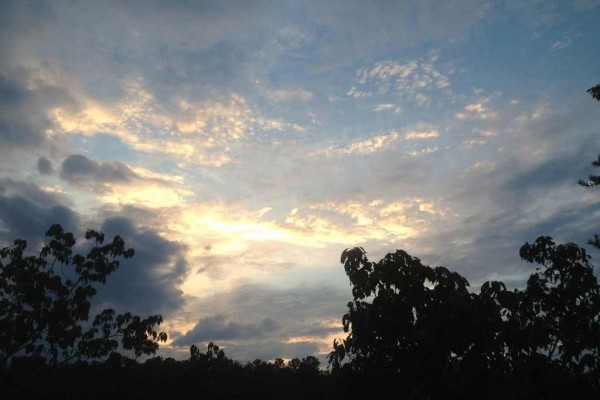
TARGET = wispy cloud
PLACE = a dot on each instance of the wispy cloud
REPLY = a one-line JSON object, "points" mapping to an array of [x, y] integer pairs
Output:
{"points": [[366, 146], [387, 107], [415, 135], [566, 41], [220, 328], [289, 94]]}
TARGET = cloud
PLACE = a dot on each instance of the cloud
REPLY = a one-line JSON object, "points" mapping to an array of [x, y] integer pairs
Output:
{"points": [[44, 166], [528, 190], [476, 111], [197, 132], [415, 135], [366, 146], [266, 321], [149, 282], [350, 34], [27, 211], [23, 122], [146, 284], [566, 41], [117, 183], [384, 220], [412, 81], [218, 328], [77, 168], [319, 226], [387, 107]]}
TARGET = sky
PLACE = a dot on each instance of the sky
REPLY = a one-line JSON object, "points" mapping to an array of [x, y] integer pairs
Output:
{"points": [[240, 146]]}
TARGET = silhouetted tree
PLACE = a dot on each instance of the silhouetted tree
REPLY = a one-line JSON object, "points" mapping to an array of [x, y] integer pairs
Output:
{"points": [[417, 331], [560, 307], [45, 303], [309, 364], [406, 318], [213, 352]]}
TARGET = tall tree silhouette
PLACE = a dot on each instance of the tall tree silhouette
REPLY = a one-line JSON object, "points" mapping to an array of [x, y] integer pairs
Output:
{"points": [[45, 302]]}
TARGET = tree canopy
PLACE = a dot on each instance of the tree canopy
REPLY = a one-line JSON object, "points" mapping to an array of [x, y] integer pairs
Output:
{"points": [[45, 302], [422, 329]]}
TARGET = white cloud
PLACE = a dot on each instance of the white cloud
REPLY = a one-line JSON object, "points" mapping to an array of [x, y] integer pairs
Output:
{"points": [[366, 146], [385, 107], [414, 135], [476, 111], [276, 125], [414, 80], [354, 92], [427, 150], [566, 41], [196, 132], [562, 44]]}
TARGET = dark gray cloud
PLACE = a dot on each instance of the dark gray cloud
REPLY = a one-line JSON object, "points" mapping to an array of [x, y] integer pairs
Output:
{"points": [[17, 128], [219, 327], [26, 212], [44, 166], [23, 110], [77, 168], [550, 173], [148, 282], [261, 321], [502, 209], [170, 44]]}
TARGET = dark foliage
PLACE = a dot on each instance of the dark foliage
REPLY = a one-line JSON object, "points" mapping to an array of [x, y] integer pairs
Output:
{"points": [[595, 92], [416, 332], [593, 180], [209, 375], [45, 303]]}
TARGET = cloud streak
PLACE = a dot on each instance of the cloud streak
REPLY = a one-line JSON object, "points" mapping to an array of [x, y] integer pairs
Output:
{"points": [[219, 328]]}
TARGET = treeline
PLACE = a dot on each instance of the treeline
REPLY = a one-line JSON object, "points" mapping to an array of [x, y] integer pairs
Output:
{"points": [[209, 375]]}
